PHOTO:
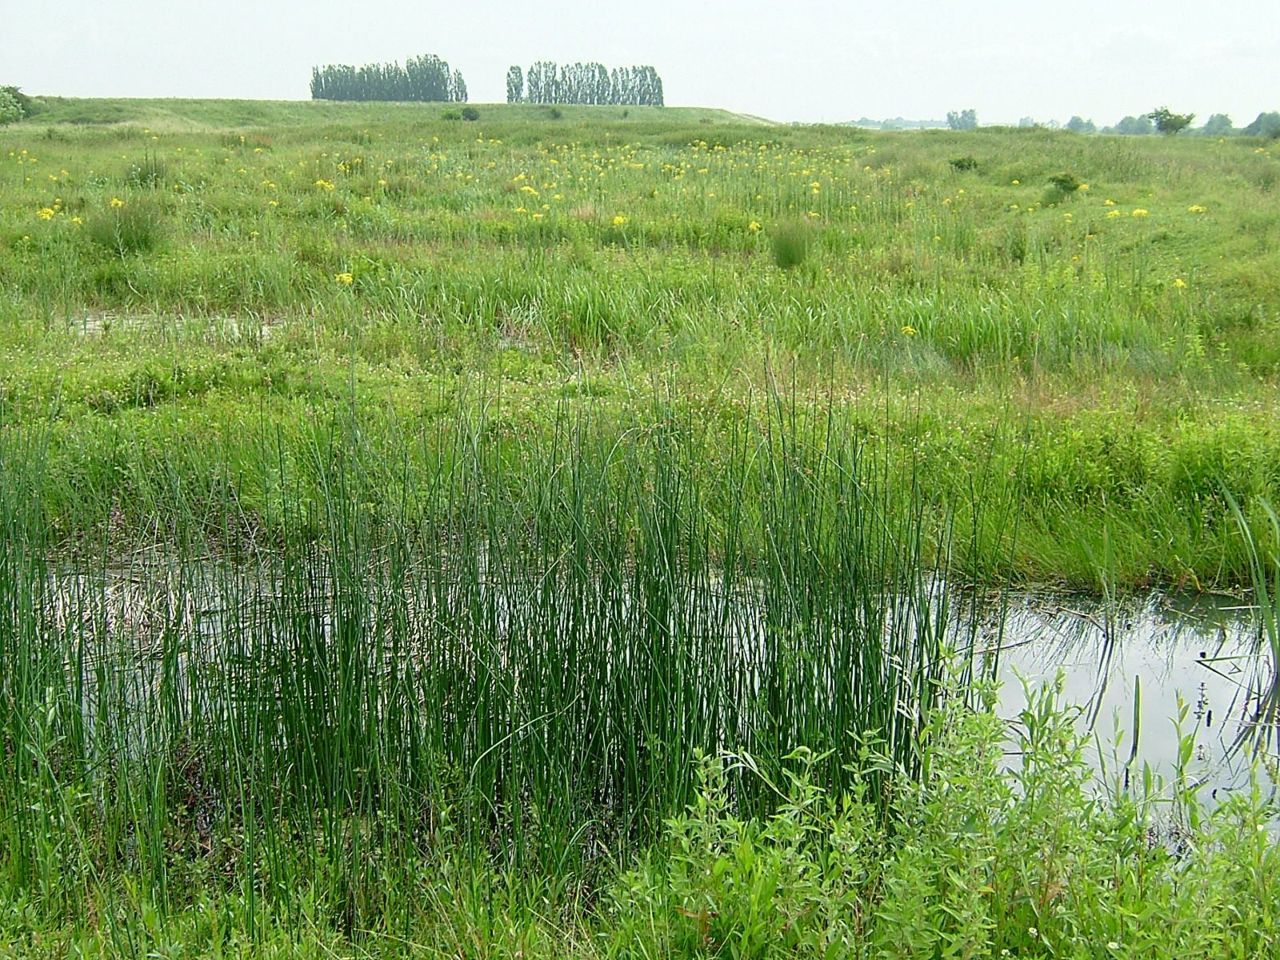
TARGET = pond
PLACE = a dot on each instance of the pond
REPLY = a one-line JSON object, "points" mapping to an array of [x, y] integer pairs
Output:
{"points": [[1206, 652]]}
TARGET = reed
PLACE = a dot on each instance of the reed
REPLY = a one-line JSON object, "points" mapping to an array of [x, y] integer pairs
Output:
{"points": [[528, 670]]}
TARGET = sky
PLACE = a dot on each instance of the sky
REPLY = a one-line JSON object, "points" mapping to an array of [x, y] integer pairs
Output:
{"points": [[803, 60]]}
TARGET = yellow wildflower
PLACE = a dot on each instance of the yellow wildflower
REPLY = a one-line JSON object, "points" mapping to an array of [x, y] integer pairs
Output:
{"points": [[1197, 208], [909, 331], [324, 184], [45, 213], [619, 220], [1112, 214], [1140, 212], [1108, 202], [117, 203], [754, 226], [1179, 283], [346, 279]]}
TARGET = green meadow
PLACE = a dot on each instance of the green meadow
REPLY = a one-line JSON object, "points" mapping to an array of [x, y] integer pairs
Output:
{"points": [[553, 534]]}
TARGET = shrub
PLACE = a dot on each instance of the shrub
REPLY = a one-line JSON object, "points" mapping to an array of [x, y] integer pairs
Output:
{"points": [[10, 110], [1061, 186], [555, 113], [134, 226], [470, 113], [791, 244], [1266, 125], [1168, 122], [451, 115], [29, 107], [961, 164], [148, 172]]}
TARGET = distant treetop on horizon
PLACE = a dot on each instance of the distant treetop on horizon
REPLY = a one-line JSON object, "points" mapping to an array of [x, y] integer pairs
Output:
{"points": [[426, 78], [584, 83]]}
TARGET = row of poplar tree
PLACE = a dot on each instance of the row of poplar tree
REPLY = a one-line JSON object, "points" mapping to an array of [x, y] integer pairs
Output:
{"points": [[421, 78], [548, 82], [429, 78]]}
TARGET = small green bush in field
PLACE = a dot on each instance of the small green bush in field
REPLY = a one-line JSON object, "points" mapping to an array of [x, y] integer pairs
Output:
{"points": [[124, 227], [791, 244], [10, 109]]}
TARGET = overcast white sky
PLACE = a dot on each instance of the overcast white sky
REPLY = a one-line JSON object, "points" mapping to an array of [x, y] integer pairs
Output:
{"points": [[785, 59]]}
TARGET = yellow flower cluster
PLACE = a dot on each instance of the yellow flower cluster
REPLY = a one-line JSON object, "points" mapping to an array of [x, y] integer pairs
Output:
{"points": [[346, 279]]}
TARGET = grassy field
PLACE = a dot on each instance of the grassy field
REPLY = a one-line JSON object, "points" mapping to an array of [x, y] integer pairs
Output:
{"points": [[1105, 358], [544, 535]]}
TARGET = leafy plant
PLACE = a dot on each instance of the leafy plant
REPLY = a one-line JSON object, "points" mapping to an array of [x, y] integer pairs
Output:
{"points": [[10, 110], [127, 226], [790, 242], [1168, 122]]}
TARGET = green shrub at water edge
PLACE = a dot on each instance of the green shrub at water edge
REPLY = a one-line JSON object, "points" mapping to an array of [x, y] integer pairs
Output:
{"points": [[983, 860]]}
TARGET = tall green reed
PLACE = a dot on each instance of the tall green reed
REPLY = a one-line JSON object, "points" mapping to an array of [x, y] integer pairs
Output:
{"points": [[523, 661]]}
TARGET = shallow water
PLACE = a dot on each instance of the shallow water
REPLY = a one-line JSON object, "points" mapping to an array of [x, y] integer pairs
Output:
{"points": [[1205, 650], [1154, 652]]}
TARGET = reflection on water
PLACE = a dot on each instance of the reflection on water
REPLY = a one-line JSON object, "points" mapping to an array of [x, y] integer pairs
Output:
{"points": [[1149, 653], [1153, 653]]}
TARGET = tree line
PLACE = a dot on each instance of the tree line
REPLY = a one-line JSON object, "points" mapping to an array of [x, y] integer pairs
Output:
{"points": [[589, 83], [421, 78], [1160, 120], [1163, 120]]}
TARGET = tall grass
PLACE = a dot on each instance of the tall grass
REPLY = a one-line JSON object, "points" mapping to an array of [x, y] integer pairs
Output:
{"points": [[528, 672]]}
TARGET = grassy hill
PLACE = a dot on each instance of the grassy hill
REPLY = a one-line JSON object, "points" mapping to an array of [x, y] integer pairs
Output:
{"points": [[191, 115]]}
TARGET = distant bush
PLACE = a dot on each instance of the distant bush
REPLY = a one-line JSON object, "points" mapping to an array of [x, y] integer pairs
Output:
{"points": [[1061, 186], [29, 107], [10, 109], [451, 115], [1218, 125], [791, 244], [1168, 122], [1066, 182], [150, 171], [961, 164], [555, 113], [470, 113], [1266, 125], [132, 226], [1135, 126]]}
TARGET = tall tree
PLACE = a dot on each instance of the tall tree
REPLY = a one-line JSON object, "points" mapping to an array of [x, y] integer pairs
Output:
{"points": [[1218, 125], [421, 78], [515, 85], [587, 83]]}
